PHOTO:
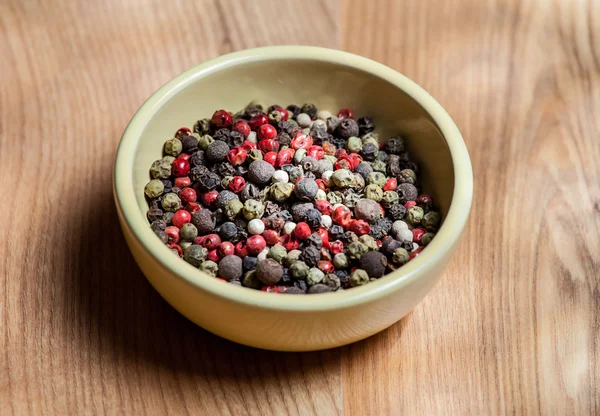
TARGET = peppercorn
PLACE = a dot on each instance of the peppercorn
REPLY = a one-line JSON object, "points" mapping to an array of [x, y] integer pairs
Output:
{"points": [[299, 269], [314, 240], [368, 210], [314, 276], [395, 145], [171, 202], [306, 189], [195, 255], [426, 239], [260, 172], [347, 128], [251, 280], [204, 221], [269, 271], [342, 178], [189, 143], [358, 277], [173, 147], [230, 267], [408, 176], [227, 231], [217, 151], [304, 120], [310, 110], [369, 151], [365, 125], [389, 198], [161, 169], [356, 250], [414, 215], [154, 188], [253, 209], [299, 210], [431, 220], [202, 126], [407, 192], [340, 261], [400, 256], [188, 232], [277, 253], [209, 267], [369, 242], [168, 216], [374, 263]]}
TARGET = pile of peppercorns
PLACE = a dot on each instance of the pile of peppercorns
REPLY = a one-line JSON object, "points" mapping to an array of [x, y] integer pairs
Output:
{"points": [[290, 200]]}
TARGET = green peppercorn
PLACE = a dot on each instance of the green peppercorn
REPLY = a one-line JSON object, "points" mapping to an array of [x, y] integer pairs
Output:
{"points": [[202, 126], [426, 238], [233, 208], [335, 197], [173, 147], [414, 216], [184, 244], [376, 178], [292, 257], [225, 181], [251, 280], [299, 270], [205, 141], [389, 198], [331, 159], [274, 117], [253, 209], [154, 188], [340, 261], [369, 241], [407, 176], [379, 166], [321, 195], [299, 155], [188, 232], [171, 202], [358, 277], [277, 253], [160, 169], [356, 249], [168, 159], [400, 256], [359, 182], [332, 281], [314, 276], [371, 137], [431, 220], [195, 255], [254, 154], [354, 144], [210, 267], [342, 178], [374, 192], [351, 199], [280, 191]]}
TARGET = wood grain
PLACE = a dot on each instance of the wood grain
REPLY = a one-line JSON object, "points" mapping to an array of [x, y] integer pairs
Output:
{"points": [[513, 328]]}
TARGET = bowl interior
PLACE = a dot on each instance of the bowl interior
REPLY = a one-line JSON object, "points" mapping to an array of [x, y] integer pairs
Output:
{"points": [[329, 86]]}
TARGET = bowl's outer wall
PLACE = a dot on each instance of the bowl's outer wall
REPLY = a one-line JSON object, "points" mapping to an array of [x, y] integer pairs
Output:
{"points": [[330, 86]]}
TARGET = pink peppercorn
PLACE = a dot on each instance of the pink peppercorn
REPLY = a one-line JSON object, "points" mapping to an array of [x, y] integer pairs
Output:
{"points": [[345, 113], [415, 253], [285, 157], [180, 167], [268, 145], [302, 231], [193, 207], [211, 241], [270, 289], [290, 242], [410, 204], [284, 114], [266, 131], [359, 227], [258, 120], [255, 244], [242, 127], [270, 158], [172, 233], [336, 247], [248, 145], [220, 279], [341, 153], [226, 248], [344, 162], [323, 206], [341, 216], [322, 232], [325, 266], [355, 159], [391, 184], [424, 199], [182, 182], [301, 141], [213, 255], [177, 248], [237, 184], [181, 217], [237, 156], [316, 152], [321, 184], [241, 250], [209, 199], [417, 235], [184, 156], [188, 195], [221, 118], [271, 237], [182, 132], [199, 240]]}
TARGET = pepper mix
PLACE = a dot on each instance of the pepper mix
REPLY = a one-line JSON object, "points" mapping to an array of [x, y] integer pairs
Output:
{"points": [[289, 200]]}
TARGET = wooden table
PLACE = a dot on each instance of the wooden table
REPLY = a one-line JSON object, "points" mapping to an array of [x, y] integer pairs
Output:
{"points": [[513, 328]]}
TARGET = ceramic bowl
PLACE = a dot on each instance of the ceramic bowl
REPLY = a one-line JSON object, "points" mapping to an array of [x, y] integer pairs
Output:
{"points": [[295, 74]]}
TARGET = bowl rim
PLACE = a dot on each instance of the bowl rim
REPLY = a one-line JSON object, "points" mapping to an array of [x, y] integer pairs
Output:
{"points": [[437, 250]]}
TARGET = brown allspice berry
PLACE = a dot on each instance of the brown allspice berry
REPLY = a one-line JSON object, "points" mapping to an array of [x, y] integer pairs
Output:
{"points": [[269, 271]]}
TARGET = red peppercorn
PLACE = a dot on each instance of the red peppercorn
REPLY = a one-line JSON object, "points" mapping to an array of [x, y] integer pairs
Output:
{"points": [[355, 159], [182, 182], [188, 195], [301, 141], [180, 167], [271, 237], [329, 148], [359, 227], [198, 240], [290, 242], [345, 113], [270, 158], [182, 132], [258, 120], [323, 206], [211, 241], [340, 153], [415, 253], [192, 207], [248, 145], [209, 198], [237, 184], [221, 118], [237, 156], [344, 162], [184, 156], [285, 157], [379, 243], [176, 247], [322, 232], [181, 217], [172, 233], [220, 279], [417, 235], [240, 249], [424, 199], [336, 247], [325, 266], [266, 131], [255, 244], [268, 145], [302, 231], [321, 184], [213, 255], [284, 114], [270, 289], [242, 127], [316, 152], [341, 216], [391, 184], [410, 204], [226, 248]]}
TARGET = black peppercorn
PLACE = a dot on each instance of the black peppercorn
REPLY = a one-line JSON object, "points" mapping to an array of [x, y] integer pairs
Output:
{"points": [[301, 284], [407, 192], [300, 210], [343, 276], [294, 109], [393, 165], [377, 232], [198, 158], [284, 139], [364, 169], [249, 262], [224, 197], [365, 125], [347, 128], [311, 256], [349, 237], [168, 216], [168, 185], [271, 208], [250, 191], [240, 170], [306, 189], [155, 214], [190, 144], [158, 225], [319, 135], [235, 139], [309, 109], [285, 126], [286, 278], [209, 181], [226, 169], [397, 211], [319, 288], [162, 236], [285, 215], [313, 218], [336, 232], [314, 240], [370, 151], [223, 135], [260, 172], [197, 171], [395, 145], [227, 231], [338, 142]]}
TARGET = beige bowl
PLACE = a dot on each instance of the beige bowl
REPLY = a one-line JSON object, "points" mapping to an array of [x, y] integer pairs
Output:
{"points": [[331, 80]]}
